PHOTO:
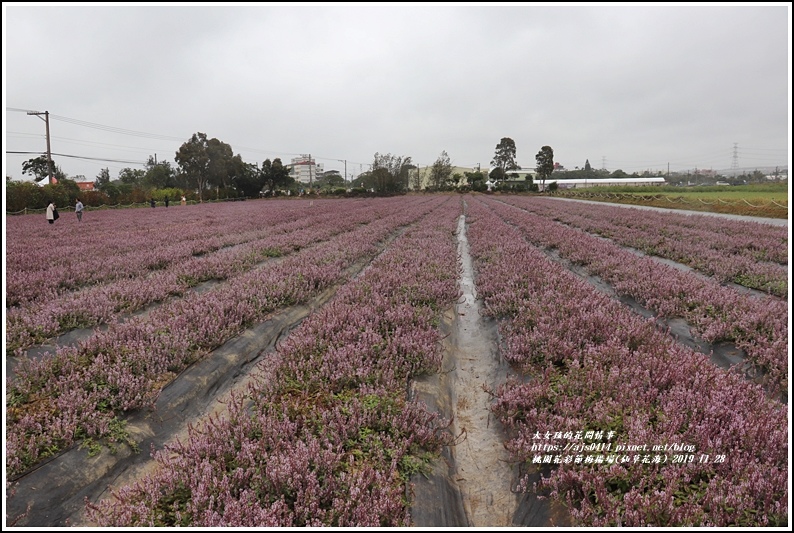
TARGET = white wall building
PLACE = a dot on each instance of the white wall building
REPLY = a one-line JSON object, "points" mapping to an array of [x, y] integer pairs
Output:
{"points": [[304, 169]]}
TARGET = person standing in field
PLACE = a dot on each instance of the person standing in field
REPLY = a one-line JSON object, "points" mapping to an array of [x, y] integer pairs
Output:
{"points": [[166, 201], [52, 213], [152, 202], [78, 209], [184, 201]]}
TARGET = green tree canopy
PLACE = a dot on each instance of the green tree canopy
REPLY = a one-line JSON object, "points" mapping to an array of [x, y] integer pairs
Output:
{"points": [[39, 169], [102, 179], [220, 166], [545, 164], [441, 172], [498, 174], [391, 173], [275, 175], [131, 176], [160, 175], [329, 180], [505, 157], [619, 173], [193, 160], [471, 177], [246, 177]]}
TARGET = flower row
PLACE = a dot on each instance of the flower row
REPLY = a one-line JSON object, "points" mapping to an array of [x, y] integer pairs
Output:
{"points": [[133, 243], [588, 364], [32, 323], [759, 327], [325, 436], [746, 253], [79, 391]]}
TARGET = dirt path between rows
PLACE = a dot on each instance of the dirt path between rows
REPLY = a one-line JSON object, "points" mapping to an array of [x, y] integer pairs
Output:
{"points": [[484, 474], [475, 484]]}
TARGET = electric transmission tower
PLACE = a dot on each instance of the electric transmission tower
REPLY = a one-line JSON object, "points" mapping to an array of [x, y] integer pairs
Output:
{"points": [[735, 162]]}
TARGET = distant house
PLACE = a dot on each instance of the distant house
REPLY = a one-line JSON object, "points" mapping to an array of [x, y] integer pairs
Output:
{"points": [[85, 185]]}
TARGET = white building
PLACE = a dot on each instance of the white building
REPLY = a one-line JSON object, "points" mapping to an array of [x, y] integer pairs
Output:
{"points": [[304, 169], [600, 182]]}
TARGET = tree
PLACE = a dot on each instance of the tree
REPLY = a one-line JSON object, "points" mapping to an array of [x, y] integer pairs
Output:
{"points": [[330, 180], [102, 179], [220, 166], [39, 169], [587, 166], [390, 172], [545, 164], [160, 175], [497, 174], [505, 157], [275, 175], [365, 180], [476, 180], [441, 172], [619, 173], [246, 177], [131, 176], [193, 159], [205, 162], [24, 194]]}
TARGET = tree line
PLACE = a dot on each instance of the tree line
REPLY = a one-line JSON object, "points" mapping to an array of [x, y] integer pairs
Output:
{"points": [[204, 169], [207, 168]]}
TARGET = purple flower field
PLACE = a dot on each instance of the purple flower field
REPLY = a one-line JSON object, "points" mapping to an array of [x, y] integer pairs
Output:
{"points": [[591, 368], [326, 434]]}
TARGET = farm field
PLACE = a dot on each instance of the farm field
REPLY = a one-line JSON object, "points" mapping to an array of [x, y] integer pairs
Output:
{"points": [[430, 361], [758, 200]]}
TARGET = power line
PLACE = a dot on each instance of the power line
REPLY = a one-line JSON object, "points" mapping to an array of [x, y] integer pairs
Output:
{"points": [[84, 157]]}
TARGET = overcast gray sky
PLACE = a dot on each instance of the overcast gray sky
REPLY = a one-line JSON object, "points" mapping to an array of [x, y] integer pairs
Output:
{"points": [[625, 86]]}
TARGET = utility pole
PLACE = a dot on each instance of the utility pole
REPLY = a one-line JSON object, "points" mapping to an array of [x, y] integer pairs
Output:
{"points": [[46, 120], [345, 162]]}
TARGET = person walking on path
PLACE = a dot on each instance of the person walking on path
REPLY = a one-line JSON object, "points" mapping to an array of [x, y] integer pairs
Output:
{"points": [[166, 201], [152, 202], [52, 213], [184, 201], [78, 208]]}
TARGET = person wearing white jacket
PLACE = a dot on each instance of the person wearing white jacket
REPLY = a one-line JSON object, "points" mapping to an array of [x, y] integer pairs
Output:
{"points": [[52, 213]]}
